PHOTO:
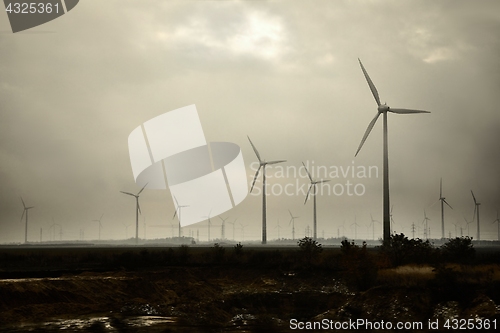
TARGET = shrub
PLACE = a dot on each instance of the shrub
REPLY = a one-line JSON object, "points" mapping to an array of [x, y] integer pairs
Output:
{"points": [[401, 250], [459, 249], [309, 248], [218, 252], [358, 266]]}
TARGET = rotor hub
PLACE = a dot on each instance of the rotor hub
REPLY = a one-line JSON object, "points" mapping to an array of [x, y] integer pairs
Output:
{"points": [[383, 108]]}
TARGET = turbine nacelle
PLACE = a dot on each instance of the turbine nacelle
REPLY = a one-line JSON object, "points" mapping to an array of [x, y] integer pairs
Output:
{"points": [[383, 108]]}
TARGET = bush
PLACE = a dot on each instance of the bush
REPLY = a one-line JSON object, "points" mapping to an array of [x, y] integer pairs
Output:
{"points": [[218, 252], [359, 268], [459, 249], [401, 250], [309, 248]]}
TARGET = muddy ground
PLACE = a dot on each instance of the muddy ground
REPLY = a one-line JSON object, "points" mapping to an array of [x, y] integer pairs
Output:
{"points": [[241, 295]]}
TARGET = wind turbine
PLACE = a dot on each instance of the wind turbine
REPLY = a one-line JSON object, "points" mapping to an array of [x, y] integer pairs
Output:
{"points": [[100, 225], [292, 221], [426, 225], [179, 209], [223, 228], [476, 209], [243, 231], [26, 224], [498, 224], [126, 229], [233, 225], [443, 201], [278, 226], [209, 223], [355, 229], [262, 164], [373, 225], [137, 211], [313, 185], [383, 109]]}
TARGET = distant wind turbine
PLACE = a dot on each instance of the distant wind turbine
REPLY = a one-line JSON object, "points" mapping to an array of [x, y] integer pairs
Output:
{"points": [[476, 210], [355, 228], [373, 225], [25, 212], [278, 226], [292, 221], [209, 224], [178, 209], [223, 228], [498, 224], [100, 225], [126, 229], [313, 186], [137, 211], [383, 109], [262, 164], [233, 225], [443, 201], [243, 231]]}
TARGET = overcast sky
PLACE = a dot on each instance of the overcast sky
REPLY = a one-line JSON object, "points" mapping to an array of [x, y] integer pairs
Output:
{"points": [[286, 73]]}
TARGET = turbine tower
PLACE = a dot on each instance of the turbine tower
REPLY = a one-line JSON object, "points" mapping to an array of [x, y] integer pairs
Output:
{"points": [[179, 209], [443, 201], [476, 210], [25, 212], [383, 109], [292, 221], [262, 164], [137, 211], [313, 185]]}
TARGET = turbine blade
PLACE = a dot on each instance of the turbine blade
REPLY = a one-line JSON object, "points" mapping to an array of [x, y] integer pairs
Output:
{"points": [[290, 213], [308, 174], [368, 130], [254, 149], [473, 197], [444, 200], [176, 201], [406, 111], [322, 181], [142, 189], [24, 211], [23, 202], [139, 207], [309, 191], [255, 178], [173, 217], [441, 188], [276, 162], [370, 83], [128, 193]]}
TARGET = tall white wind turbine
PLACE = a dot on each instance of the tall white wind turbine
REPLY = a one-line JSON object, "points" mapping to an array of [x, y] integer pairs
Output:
{"points": [[383, 109], [262, 164], [137, 211], [443, 201], [25, 212], [313, 186], [372, 224], [476, 210]]}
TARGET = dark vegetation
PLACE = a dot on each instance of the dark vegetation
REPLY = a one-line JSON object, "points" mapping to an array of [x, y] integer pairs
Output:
{"points": [[259, 288]]}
